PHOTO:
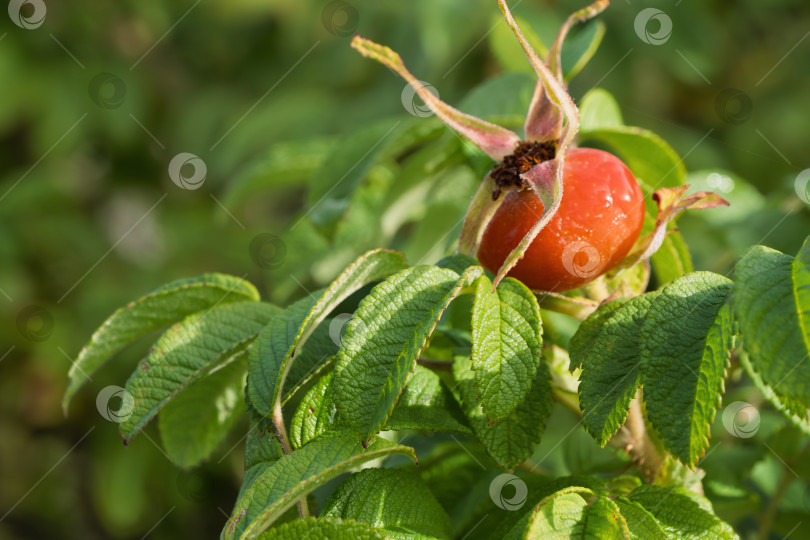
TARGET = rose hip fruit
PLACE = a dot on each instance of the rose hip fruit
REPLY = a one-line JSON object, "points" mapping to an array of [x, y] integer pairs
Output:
{"points": [[598, 221]]}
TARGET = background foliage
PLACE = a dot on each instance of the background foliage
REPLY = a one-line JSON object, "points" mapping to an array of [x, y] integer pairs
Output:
{"points": [[247, 83]]}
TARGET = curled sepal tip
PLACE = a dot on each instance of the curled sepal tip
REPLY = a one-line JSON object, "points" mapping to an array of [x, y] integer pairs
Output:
{"points": [[552, 117], [495, 141], [581, 15], [671, 202], [551, 106]]}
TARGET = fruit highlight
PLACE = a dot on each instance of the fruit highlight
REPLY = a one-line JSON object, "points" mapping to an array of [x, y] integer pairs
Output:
{"points": [[599, 220]]}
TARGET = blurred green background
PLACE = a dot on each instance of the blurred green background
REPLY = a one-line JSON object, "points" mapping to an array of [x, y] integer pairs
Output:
{"points": [[98, 99]]}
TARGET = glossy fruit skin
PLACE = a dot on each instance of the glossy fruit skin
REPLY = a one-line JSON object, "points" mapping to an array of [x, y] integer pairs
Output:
{"points": [[599, 220]]}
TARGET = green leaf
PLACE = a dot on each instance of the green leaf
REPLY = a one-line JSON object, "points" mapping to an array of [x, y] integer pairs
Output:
{"points": [[680, 515], [622, 484], [611, 361], [344, 168], [411, 196], [457, 262], [272, 351], [630, 281], [453, 473], [503, 99], [582, 47], [260, 447], [794, 411], [315, 356], [272, 355], [506, 48], [287, 163], [195, 422], [513, 525], [641, 523], [672, 260], [653, 161], [315, 415], [685, 343], [579, 49], [384, 339], [512, 440], [507, 343], [801, 290], [389, 499], [163, 306], [298, 473], [586, 337], [359, 228], [189, 350], [423, 243], [576, 513], [255, 417], [599, 110], [261, 450], [427, 404], [767, 286], [323, 529], [414, 132]]}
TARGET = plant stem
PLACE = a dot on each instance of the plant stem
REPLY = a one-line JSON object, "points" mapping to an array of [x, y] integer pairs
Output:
{"points": [[770, 512], [766, 523], [567, 399], [640, 446], [632, 437], [444, 365], [281, 433], [597, 290], [577, 308]]}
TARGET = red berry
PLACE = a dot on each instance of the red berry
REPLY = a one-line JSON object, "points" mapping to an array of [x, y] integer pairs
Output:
{"points": [[599, 220]]}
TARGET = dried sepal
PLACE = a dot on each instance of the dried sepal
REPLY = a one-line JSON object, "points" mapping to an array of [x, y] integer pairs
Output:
{"points": [[479, 213], [671, 202], [495, 141], [545, 180], [582, 15], [551, 106]]}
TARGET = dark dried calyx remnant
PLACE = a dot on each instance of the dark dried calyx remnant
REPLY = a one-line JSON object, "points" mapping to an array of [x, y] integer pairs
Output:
{"points": [[527, 154]]}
